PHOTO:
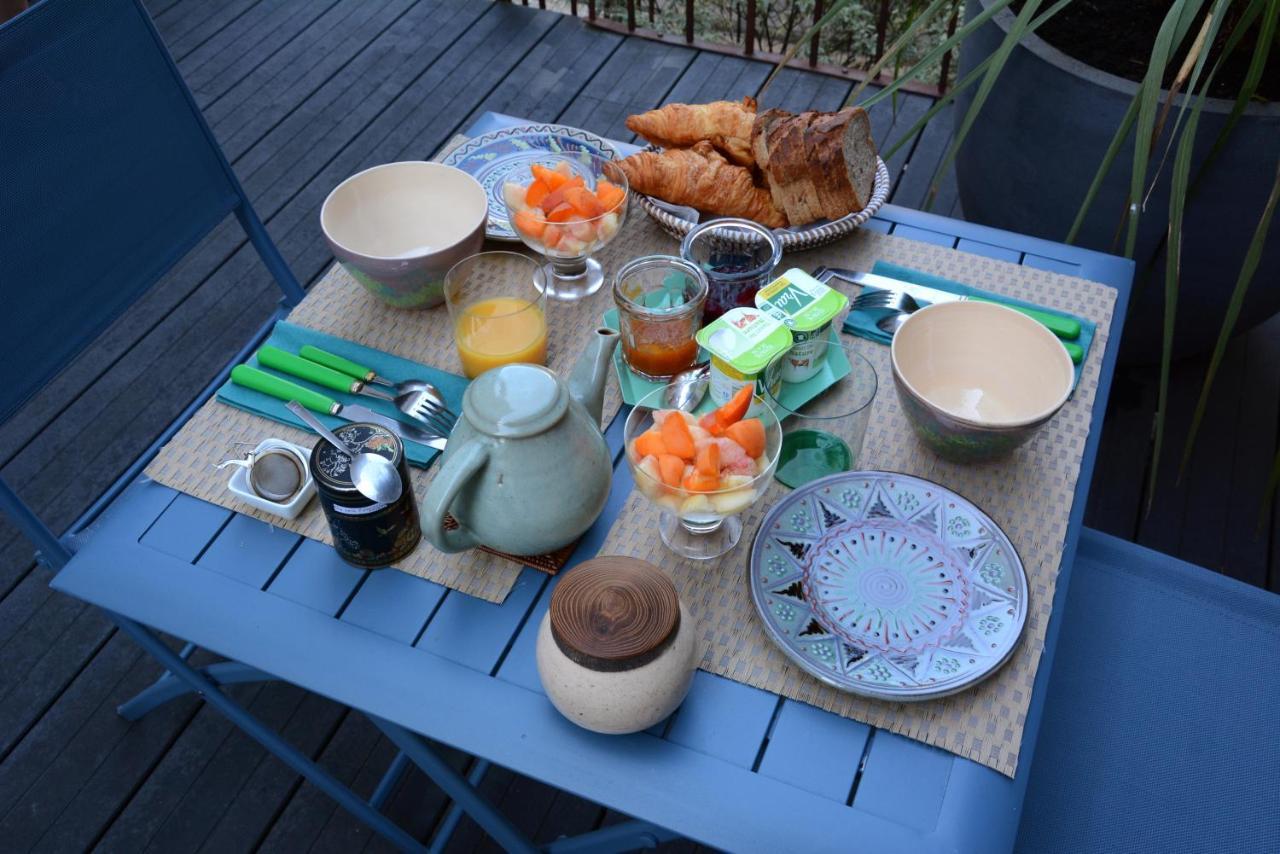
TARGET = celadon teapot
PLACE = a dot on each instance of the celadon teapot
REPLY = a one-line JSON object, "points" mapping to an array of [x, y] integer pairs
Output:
{"points": [[526, 470]]}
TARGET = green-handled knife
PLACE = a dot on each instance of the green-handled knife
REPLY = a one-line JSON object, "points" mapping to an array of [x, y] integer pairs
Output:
{"points": [[278, 387], [1066, 328]]}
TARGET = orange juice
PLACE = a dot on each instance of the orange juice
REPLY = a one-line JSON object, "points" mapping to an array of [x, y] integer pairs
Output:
{"points": [[498, 331]]}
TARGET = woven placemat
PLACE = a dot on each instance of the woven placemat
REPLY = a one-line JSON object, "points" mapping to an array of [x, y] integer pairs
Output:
{"points": [[1029, 495]]}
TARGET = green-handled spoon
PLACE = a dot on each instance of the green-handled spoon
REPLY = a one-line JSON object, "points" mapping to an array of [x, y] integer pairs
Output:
{"points": [[368, 376], [412, 404]]}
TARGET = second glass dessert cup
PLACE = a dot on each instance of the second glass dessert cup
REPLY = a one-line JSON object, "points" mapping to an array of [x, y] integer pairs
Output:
{"points": [[699, 509]]}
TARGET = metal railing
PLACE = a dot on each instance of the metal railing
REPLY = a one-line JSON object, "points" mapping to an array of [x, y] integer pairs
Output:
{"points": [[748, 42]]}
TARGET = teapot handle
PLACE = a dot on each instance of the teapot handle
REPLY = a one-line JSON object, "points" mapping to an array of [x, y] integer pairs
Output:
{"points": [[456, 471]]}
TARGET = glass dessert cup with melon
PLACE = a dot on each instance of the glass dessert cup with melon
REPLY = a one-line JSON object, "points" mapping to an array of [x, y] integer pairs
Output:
{"points": [[567, 207], [700, 513]]}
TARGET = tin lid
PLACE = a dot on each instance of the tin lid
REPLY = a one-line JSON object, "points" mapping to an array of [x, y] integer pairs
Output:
{"points": [[331, 468], [747, 339], [800, 301]]}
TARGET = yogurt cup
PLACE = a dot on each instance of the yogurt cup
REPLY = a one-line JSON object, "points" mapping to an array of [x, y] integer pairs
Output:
{"points": [[806, 307], [742, 343]]}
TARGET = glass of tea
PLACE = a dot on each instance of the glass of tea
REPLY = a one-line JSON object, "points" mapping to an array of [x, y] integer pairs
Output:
{"points": [[660, 300], [738, 257]]}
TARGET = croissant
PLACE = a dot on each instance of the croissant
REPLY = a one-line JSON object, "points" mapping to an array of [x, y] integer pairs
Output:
{"points": [[727, 124], [702, 178]]}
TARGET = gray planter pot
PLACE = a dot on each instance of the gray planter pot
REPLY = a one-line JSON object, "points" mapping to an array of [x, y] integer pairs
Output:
{"points": [[1033, 152]]}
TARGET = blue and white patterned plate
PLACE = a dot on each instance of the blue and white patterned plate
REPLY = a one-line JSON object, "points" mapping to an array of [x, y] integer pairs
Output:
{"points": [[491, 157], [888, 586]]}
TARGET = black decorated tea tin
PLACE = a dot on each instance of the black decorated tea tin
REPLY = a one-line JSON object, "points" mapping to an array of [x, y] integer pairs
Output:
{"points": [[365, 533]]}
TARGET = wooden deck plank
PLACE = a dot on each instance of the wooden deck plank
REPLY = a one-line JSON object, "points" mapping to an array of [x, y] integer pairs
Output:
{"points": [[253, 38], [355, 747], [797, 90], [718, 77], [545, 82], [1208, 479], [637, 77], [1247, 555], [279, 86], [1119, 481], [1161, 528], [152, 806], [246, 817], [912, 187], [49, 768], [197, 23]]}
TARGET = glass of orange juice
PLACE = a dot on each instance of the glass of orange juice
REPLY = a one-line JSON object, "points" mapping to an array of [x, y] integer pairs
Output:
{"points": [[497, 304]]}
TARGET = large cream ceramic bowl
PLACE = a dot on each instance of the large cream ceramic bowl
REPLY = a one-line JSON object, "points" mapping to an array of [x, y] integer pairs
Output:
{"points": [[978, 379], [399, 227]]}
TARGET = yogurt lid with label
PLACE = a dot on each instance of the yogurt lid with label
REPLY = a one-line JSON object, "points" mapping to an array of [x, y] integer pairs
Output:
{"points": [[746, 338], [800, 301]]}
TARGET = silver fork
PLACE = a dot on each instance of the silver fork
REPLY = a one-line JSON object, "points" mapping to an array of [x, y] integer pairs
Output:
{"points": [[900, 308], [427, 408]]}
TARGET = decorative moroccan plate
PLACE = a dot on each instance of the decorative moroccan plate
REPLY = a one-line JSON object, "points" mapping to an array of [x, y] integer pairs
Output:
{"points": [[491, 157], [888, 586], [676, 220]]}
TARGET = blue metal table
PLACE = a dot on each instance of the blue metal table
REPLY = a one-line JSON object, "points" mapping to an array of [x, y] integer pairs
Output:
{"points": [[735, 767]]}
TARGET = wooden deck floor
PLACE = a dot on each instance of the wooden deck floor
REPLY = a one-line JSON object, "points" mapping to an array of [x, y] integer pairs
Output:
{"points": [[302, 93]]}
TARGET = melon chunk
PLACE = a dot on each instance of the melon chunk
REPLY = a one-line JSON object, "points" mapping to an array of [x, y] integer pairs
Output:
{"points": [[735, 501]]}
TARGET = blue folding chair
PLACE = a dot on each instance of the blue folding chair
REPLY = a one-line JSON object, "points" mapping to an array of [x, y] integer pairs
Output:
{"points": [[110, 176], [1159, 725]]}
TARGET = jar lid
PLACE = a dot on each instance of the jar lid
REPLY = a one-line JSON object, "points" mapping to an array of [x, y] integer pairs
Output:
{"points": [[614, 613], [331, 468]]}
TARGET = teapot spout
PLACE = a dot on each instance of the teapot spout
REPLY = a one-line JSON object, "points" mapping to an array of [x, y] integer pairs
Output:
{"points": [[586, 383]]}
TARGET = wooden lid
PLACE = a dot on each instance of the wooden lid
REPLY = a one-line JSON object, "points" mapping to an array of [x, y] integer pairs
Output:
{"points": [[614, 613]]}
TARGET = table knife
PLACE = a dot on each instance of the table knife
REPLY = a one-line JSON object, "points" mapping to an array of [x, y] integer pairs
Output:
{"points": [[259, 380], [1066, 328]]}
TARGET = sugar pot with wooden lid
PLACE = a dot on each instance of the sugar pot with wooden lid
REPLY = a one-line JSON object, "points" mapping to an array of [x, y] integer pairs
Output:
{"points": [[616, 649]]}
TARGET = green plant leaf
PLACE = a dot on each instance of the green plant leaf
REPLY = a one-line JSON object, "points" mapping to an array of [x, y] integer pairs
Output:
{"points": [[1188, 75], [932, 56], [1249, 87], [835, 9], [1001, 55], [964, 83], [892, 51], [1252, 258], [1172, 31]]}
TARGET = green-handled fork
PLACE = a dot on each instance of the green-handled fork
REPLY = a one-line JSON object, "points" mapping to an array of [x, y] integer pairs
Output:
{"points": [[416, 405]]}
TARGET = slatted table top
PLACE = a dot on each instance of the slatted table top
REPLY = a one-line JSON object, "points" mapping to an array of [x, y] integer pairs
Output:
{"points": [[734, 767]]}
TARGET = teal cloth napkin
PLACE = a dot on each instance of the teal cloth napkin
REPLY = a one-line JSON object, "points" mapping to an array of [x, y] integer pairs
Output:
{"points": [[291, 337], [863, 323]]}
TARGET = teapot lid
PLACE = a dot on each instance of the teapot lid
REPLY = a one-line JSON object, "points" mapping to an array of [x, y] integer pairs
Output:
{"points": [[515, 400], [614, 613]]}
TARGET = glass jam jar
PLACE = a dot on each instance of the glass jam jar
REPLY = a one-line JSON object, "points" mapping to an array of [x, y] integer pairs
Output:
{"points": [[366, 533], [660, 300], [738, 257]]}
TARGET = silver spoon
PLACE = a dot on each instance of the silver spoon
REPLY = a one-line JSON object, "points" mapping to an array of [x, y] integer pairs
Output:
{"points": [[372, 474], [687, 388]]}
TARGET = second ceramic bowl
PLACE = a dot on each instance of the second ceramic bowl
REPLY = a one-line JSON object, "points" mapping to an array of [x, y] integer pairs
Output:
{"points": [[978, 379], [399, 227]]}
